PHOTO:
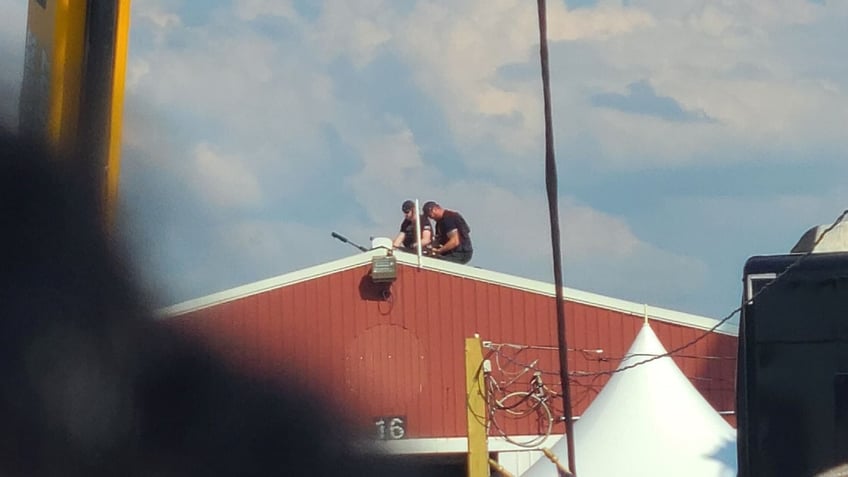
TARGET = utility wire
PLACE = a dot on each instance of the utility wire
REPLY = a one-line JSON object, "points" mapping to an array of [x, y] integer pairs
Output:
{"points": [[748, 301], [675, 352], [497, 348]]}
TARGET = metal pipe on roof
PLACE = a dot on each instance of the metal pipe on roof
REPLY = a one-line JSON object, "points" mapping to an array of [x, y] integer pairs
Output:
{"points": [[418, 231]]}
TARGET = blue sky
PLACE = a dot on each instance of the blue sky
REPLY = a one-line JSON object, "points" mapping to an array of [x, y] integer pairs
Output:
{"points": [[690, 135]]}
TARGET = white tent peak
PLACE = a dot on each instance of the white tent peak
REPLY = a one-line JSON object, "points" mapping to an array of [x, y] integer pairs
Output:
{"points": [[645, 348], [649, 420]]}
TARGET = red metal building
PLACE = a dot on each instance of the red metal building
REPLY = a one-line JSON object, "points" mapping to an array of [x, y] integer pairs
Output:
{"points": [[397, 348]]}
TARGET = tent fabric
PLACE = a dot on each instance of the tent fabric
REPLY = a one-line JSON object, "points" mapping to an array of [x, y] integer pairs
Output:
{"points": [[648, 421]]}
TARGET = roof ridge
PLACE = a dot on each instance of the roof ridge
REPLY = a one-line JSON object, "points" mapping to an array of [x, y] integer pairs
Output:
{"points": [[464, 271]]}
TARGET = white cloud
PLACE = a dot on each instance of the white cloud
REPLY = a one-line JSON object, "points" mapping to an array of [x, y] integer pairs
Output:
{"points": [[391, 166], [689, 51], [253, 9], [162, 19], [695, 53], [211, 74], [511, 233], [270, 247], [637, 142], [228, 84], [392, 170], [599, 23], [280, 114], [157, 13], [457, 51], [520, 222], [772, 224], [137, 69], [243, 251], [750, 15], [223, 180], [356, 30]]}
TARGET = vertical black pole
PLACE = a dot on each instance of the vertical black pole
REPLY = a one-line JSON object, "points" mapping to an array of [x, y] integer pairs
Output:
{"points": [[553, 208], [96, 95]]}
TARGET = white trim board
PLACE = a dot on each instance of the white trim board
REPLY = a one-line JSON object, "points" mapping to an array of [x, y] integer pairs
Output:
{"points": [[464, 271], [454, 445]]}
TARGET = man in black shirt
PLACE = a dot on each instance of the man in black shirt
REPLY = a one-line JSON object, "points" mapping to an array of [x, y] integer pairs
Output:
{"points": [[453, 235], [405, 240]]}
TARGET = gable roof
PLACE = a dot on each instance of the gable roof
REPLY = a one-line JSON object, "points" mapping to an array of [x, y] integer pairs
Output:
{"points": [[445, 267]]}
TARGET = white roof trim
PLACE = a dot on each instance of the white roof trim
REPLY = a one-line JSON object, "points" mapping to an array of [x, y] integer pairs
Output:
{"points": [[464, 271], [268, 284], [450, 445], [570, 294]]}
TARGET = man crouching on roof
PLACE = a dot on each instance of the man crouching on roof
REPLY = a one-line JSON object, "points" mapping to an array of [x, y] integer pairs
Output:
{"points": [[406, 239], [453, 235]]}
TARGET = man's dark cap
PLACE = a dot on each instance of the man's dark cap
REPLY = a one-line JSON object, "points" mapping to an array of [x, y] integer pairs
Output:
{"points": [[407, 206], [429, 206]]}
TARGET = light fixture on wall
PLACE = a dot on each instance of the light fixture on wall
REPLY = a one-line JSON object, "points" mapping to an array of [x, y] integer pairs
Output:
{"points": [[384, 269]]}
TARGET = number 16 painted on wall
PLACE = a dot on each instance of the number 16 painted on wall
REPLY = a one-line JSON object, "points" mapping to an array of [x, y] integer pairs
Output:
{"points": [[390, 428]]}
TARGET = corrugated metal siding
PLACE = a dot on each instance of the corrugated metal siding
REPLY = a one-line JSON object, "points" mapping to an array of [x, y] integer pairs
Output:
{"points": [[404, 355]]}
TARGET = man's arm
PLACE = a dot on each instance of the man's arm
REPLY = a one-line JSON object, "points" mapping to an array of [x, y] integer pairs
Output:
{"points": [[452, 243], [398, 243], [426, 237]]}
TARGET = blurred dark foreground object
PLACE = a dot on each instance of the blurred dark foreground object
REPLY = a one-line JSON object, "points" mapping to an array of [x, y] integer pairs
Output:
{"points": [[91, 385]]}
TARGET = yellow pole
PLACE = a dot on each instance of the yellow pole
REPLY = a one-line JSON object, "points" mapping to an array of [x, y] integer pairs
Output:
{"points": [[116, 112], [74, 80], [475, 398], [69, 50], [50, 96]]}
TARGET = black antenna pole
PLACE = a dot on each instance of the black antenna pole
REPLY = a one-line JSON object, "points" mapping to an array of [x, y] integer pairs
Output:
{"points": [[553, 209], [345, 240]]}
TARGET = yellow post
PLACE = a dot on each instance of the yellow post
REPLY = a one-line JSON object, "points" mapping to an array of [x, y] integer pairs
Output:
{"points": [[50, 96], [116, 112], [475, 398], [73, 90]]}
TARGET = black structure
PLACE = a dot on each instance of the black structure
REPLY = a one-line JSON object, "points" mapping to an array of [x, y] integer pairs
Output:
{"points": [[792, 375]]}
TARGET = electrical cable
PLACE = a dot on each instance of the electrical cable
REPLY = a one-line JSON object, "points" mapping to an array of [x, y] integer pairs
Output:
{"points": [[748, 301], [495, 389]]}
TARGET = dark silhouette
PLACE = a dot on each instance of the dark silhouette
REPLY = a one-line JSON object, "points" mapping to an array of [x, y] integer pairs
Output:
{"points": [[91, 385]]}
